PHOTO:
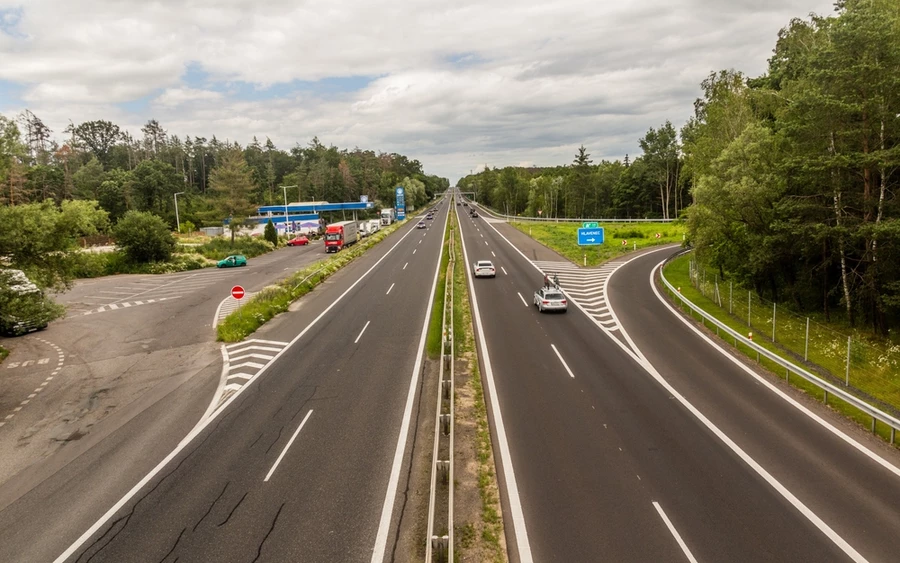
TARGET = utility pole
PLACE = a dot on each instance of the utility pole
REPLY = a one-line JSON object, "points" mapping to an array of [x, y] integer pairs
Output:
{"points": [[177, 221]]}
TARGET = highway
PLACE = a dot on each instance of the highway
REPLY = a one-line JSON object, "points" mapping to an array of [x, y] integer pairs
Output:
{"points": [[632, 439], [305, 462]]}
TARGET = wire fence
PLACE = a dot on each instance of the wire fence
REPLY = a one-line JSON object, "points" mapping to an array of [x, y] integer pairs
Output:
{"points": [[869, 368]]}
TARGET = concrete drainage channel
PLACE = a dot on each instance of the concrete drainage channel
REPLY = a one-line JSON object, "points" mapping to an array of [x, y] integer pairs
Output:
{"points": [[439, 538]]}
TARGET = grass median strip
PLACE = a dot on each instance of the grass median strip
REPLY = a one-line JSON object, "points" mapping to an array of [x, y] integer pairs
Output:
{"points": [[276, 298], [479, 521], [433, 342]]}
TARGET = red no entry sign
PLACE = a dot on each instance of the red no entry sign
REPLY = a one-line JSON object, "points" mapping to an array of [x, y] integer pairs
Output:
{"points": [[237, 292]]}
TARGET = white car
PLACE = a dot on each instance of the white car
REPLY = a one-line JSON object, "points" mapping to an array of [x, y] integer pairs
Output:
{"points": [[484, 269], [550, 299]]}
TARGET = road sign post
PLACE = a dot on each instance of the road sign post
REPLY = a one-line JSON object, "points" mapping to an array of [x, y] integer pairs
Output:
{"points": [[237, 292], [590, 237]]}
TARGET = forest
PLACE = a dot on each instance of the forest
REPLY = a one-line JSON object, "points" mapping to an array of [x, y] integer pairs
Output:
{"points": [[787, 181], [99, 161]]}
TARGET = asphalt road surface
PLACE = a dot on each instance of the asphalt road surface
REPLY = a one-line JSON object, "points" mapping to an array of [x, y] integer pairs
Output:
{"points": [[635, 440], [303, 463]]}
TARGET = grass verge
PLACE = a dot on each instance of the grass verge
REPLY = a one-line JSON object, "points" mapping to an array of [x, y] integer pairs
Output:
{"points": [[483, 539], [677, 273], [563, 238], [433, 340], [276, 299]]}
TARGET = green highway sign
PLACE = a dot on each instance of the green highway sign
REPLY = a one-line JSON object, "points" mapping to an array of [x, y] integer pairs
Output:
{"points": [[590, 225]]}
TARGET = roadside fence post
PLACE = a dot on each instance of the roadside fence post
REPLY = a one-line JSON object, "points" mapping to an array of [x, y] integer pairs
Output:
{"points": [[748, 308], [847, 375], [774, 305], [806, 348]]}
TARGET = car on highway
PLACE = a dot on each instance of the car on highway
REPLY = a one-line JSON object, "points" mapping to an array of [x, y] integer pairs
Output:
{"points": [[233, 261], [421, 225], [298, 241], [550, 299], [474, 215], [484, 269]]}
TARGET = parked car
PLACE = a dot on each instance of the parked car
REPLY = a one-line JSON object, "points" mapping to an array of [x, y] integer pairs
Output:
{"points": [[298, 241], [484, 269], [233, 261], [550, 299]]}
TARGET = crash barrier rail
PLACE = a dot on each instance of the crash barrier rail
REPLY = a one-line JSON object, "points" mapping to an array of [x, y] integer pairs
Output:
{"points": [[439, 539], [523, 219], [789, 367]]}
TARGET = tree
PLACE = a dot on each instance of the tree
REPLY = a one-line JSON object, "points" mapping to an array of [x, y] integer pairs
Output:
{"points": [[270, 233], [661, 149], [42, 239], [144, 237], [232, 183], [98, 136], [153, 187]]}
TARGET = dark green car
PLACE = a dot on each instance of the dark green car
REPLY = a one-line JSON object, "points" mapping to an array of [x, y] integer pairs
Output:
{"points": [[232, 261]]}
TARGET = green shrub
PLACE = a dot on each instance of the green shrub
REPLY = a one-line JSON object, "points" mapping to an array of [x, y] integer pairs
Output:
{"points": [[144, 237], [627, 234], [271, 234], [187, 228]]}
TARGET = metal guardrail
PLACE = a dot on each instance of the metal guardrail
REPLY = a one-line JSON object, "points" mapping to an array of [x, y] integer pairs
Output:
{"points": [[523, 219], [790, 367], [439, 546]]}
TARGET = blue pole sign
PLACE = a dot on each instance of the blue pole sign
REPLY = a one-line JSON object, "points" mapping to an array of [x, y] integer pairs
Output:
{"points": [[400, 203], [589, 237]]}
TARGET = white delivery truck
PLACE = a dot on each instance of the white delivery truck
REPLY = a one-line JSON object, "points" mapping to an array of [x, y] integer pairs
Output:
{"points": [[388, 216], [374, 226]]}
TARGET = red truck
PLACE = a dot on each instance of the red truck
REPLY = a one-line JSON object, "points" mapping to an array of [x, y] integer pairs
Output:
{"points": [[339, 235]]}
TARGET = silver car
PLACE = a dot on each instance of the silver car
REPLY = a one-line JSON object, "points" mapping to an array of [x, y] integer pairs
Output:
{"points": [[550, 299]]}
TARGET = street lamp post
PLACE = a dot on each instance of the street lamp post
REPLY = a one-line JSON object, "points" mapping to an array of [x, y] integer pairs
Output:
{"points": [[285, 188], [177, 221]]}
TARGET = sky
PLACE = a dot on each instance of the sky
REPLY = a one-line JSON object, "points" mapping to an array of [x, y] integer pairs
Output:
{"points": [[457, 85]]}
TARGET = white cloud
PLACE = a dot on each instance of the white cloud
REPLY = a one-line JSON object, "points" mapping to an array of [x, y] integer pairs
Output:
{"points": [[459, 84]]}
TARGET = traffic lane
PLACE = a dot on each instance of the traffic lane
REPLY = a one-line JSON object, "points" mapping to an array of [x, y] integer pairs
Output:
{"points": [[44, 508], [579, 491], [843, 487], [322, 356], [687, 475]]}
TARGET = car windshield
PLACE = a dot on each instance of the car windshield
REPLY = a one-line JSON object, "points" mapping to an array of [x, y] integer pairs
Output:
{"points": [[485, 265], [553, 296]]}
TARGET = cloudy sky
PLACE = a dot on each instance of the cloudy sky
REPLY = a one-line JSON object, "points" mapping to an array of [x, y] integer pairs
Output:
{"points": [[456, 85]]}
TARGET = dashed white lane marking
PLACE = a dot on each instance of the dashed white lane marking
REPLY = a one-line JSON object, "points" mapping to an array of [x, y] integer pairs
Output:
{"points": [[405, 265], [414, 250], [291, 441], [504, 270], [492, 254], [522, 298], [674, 532], [114, 306], [60, 361], [485, 242], [565, 365], [390, 288], [361, 332]]}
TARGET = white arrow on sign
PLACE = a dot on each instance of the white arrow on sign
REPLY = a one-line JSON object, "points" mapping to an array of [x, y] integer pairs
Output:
{"points": [[591, 239]]}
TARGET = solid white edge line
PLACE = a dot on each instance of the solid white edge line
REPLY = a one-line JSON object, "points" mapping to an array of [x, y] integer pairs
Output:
{"points": [[674, 532], [512, 490], [384, 526], [201, 426], [759, 469], [390, 288], [361, 332], [565, 365], [522, 298], [821, 421], [223, 376], [284, 451]]}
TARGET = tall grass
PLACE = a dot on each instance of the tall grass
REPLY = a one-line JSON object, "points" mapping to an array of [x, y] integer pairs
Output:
{"points": [[563, 238]]}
